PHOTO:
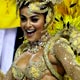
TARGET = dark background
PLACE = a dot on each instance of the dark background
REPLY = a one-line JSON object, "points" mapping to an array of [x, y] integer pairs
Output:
{"points": [[19, 39]]}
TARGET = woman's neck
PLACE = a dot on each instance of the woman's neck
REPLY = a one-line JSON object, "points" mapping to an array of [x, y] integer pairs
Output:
{"points": [[33, 47]]}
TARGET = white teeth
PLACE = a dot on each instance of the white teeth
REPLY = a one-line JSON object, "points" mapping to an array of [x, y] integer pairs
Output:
{"points": [[30, 30]]}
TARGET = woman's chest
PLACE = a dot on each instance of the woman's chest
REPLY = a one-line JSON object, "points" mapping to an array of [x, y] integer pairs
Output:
{"points": [[34, 65]]}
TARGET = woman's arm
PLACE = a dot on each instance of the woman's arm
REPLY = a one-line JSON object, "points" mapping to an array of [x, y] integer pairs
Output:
{"points": [[66, 56]]}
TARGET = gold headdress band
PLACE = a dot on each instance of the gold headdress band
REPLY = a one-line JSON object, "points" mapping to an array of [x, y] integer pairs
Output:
{"points": [[19, 2], [40, 6]]}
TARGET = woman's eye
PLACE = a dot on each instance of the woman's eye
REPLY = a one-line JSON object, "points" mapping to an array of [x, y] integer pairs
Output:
{"points": [[23, 18], [34, 19]]}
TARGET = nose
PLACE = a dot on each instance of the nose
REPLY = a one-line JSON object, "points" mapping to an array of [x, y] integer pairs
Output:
{"points": [[28, 24]]}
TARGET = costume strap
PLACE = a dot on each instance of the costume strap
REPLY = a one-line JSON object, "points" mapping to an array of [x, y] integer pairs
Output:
{"points": [[48, 47]]}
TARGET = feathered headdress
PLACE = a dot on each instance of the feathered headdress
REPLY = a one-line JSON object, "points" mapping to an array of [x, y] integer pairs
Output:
{"points": [[60, 12], [66, 14]]}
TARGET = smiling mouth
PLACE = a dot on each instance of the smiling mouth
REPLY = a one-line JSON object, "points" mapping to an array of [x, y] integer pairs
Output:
{"points": [[30, 31]]}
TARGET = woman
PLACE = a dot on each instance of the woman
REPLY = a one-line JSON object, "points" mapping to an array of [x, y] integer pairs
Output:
{"points": [[42, 56]]}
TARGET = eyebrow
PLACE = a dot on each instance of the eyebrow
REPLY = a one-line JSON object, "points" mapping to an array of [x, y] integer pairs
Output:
{"points": [[23, 17], [34, 15]]}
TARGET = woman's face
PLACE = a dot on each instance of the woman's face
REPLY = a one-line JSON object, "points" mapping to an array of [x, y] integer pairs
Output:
{"points": [[32, 24]]}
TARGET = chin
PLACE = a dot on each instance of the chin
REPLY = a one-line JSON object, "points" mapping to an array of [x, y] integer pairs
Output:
{"points": [[33, 39]]}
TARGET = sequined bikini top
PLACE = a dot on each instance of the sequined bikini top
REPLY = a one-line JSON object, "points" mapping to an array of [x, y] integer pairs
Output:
{"points": [[34, 70]]}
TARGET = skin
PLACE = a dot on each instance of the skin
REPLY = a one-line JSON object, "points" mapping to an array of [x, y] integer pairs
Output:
{"points": [[26, 57], [31, 21], [34, 21]]}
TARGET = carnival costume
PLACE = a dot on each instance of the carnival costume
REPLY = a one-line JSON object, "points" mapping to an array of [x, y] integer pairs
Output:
{"points": [[62, 35]]}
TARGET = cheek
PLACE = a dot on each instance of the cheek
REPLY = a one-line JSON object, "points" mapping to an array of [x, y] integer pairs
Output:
{"points": [[22, 25], [39, 25]]}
